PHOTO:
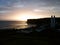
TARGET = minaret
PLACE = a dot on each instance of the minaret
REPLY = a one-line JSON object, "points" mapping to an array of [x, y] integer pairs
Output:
{"points": [[52, 22]]}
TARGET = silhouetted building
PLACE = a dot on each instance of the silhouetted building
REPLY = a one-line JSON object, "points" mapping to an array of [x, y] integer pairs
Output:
{"points": [[52, 22]]}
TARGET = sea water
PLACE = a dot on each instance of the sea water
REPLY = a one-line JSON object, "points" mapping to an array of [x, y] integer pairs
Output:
{"points": [[14, 25]]}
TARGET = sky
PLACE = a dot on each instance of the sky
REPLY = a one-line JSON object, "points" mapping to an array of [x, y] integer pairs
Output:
{"points": [[28, 9]]}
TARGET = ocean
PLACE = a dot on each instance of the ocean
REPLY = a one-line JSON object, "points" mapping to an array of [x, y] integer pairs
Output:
{"points": [[14, 25]]}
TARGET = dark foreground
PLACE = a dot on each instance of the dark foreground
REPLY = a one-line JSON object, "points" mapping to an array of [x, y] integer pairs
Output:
{"points": [[10, 37]]}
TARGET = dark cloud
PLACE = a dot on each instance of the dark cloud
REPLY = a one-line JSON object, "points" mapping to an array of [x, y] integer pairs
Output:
{"points": [[31, 2]]}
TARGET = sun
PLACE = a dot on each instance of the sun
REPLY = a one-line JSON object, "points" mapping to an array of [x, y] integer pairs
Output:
{"points": [[24, 17]]}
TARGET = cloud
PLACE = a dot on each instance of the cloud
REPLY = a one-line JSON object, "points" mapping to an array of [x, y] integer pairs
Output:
{"points": [[7, 6], [37, 10]]}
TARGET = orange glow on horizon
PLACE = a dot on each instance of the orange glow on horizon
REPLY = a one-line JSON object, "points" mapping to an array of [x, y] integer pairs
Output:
{"points": [[25, 16]]}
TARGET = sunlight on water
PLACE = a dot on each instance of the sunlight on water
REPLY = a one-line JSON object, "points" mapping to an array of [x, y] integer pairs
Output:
{"points": [[14, 25]]}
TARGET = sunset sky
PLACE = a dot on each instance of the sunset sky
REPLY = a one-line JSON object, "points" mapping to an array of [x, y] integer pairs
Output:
{"points": [[28, 9]]}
